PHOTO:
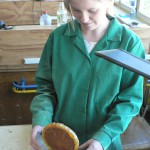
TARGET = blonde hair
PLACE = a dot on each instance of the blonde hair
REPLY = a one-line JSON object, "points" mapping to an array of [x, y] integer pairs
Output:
{"points": [[109, 4]]}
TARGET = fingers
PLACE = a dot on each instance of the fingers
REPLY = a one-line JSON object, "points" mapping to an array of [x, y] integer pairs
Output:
{"points": [[33, 142], [34, 145], [83, 146], [91, 145], [35, 131]]}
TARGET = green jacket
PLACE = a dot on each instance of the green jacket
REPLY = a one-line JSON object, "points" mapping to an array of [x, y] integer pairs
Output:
{"points": [[95, 98]]}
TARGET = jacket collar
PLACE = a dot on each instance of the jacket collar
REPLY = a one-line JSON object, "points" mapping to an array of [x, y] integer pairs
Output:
{"points": [[78, 38], [113, 34], [73, 31]]}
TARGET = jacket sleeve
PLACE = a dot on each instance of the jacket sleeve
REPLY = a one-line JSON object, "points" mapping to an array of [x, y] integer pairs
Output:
{"points": [[42, 105], [127, 103]]}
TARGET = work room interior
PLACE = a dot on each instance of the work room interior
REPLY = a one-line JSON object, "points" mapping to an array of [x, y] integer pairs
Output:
{"points": [[20, 50]]}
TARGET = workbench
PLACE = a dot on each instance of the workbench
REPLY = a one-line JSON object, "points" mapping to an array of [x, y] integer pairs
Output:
{"points": [[17, 137]]}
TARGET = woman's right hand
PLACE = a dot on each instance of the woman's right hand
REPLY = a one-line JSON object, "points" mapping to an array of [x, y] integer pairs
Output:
{"points": [[37, 129]]}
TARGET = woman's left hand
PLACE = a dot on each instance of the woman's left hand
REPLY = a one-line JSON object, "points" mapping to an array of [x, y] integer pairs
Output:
{"points": [[91, 145]]}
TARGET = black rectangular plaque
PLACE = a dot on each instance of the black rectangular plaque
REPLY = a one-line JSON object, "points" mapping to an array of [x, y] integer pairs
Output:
{"points": [[126, 60]]}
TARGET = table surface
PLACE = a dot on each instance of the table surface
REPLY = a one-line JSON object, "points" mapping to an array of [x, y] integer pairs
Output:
{"points": [[15, 137], [137, 135]]}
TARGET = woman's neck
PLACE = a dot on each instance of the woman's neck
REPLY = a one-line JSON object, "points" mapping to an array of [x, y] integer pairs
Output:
{"points": [[97, 34]]}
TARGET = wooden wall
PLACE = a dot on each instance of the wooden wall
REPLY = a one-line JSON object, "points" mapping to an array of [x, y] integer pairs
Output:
{"points": [[25, 40], [14, 108], [26, 12], [21, 42]]}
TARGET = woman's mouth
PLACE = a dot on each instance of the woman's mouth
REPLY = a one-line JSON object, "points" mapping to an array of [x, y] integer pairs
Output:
{"points": [[87, 24]]}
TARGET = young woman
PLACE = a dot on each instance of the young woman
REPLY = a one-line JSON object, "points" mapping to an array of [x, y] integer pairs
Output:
{"points": [[95, 98]]}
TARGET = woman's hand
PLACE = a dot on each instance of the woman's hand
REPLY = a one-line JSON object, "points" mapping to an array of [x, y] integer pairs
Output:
{"points": [[91, 145], [37, 129]]}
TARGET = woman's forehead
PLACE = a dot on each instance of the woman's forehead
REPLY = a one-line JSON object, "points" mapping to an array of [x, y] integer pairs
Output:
{"points": [[84, 3], [90, 0]]}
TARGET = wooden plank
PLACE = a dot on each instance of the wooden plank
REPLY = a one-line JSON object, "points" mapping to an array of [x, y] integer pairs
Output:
{"points": [[18, 68], [26, 12], [22, 42], [28, 41]]}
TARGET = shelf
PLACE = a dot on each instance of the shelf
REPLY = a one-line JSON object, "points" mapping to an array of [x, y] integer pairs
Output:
{"points": [[22, 42]]}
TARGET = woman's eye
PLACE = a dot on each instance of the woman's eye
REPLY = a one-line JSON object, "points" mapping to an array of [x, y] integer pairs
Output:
{"points": [[76, 10], [92, 11]]}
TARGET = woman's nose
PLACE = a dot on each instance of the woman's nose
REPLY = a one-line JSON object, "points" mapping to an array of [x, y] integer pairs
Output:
{"points": [[84, 17]]}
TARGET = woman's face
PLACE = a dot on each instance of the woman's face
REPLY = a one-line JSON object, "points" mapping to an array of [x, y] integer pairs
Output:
{"points": [[90, 13]]}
